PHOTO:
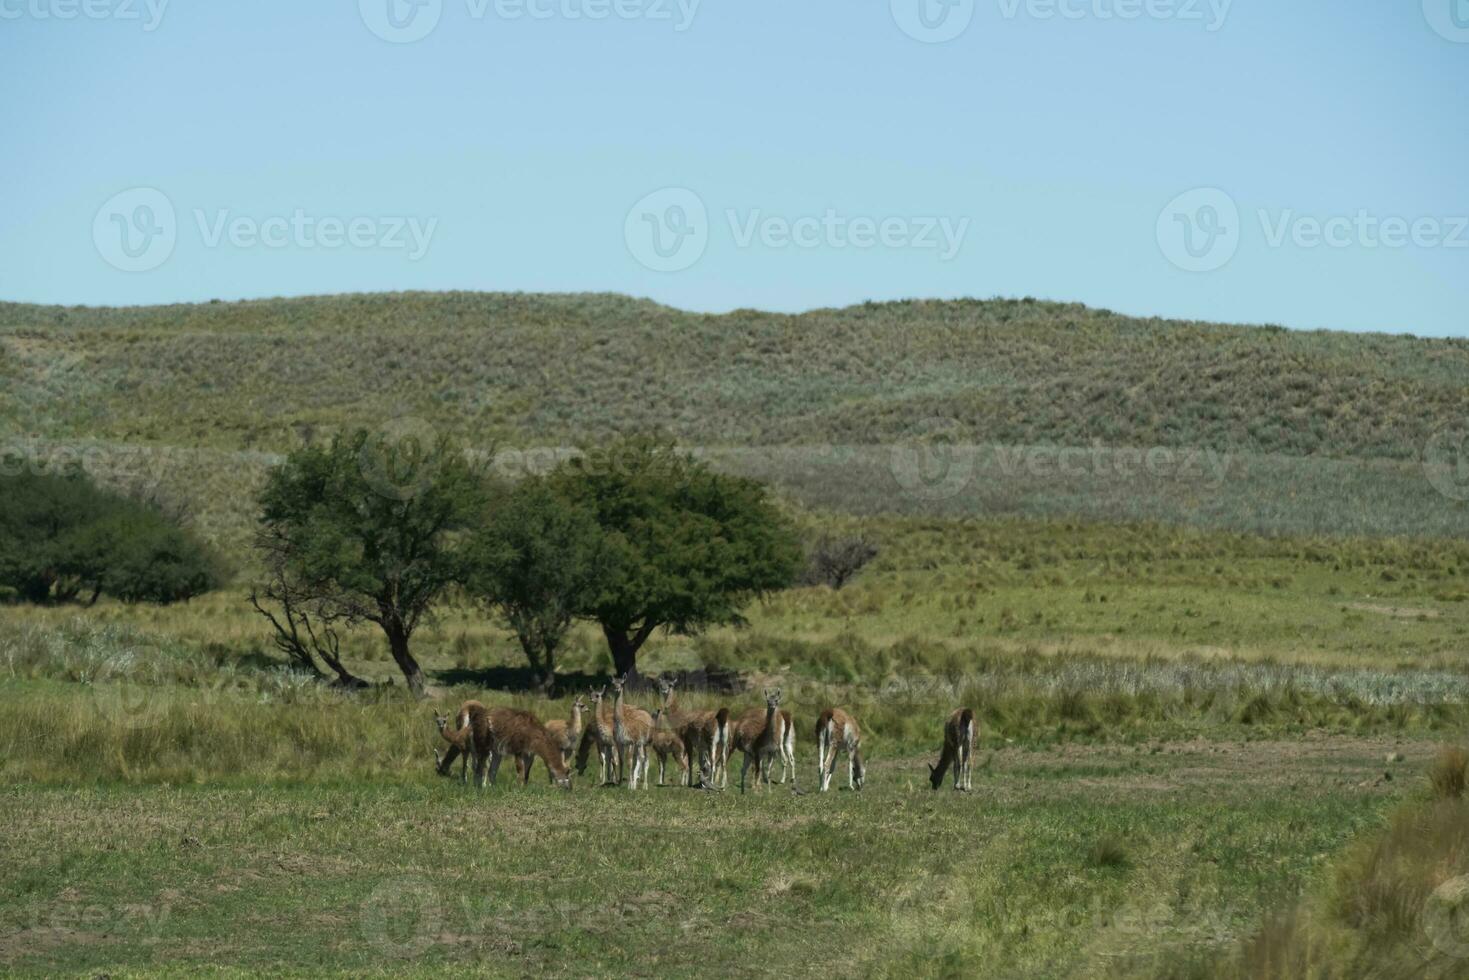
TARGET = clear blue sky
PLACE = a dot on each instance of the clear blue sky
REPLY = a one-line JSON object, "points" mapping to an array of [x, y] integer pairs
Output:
{"points": [[1059, 140]]}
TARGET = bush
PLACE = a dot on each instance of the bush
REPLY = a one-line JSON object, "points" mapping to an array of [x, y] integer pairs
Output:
{"points": [[835, 561], [1449, 773]]}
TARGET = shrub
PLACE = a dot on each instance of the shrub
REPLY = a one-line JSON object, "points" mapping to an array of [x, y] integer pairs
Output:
{"points": [[835, 561], [1448, 774]]}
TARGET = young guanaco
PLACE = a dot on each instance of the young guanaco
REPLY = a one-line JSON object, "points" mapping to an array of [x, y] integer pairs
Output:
{"points": [[838, 731], [664, 743], [960, 733]]}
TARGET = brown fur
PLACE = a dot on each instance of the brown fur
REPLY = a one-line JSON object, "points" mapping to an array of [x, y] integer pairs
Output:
{"points": [[519, 735], [759, 734]]}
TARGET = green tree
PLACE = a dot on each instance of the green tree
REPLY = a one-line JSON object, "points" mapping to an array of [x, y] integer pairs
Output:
{"points": [[368, 528], [685, 548], [536, 559], [61, 535]]}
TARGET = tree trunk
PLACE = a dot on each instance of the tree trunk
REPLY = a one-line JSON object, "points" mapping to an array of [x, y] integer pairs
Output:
{"points": [[398, 646], [624, 645], [548, 672], [624, 654]]}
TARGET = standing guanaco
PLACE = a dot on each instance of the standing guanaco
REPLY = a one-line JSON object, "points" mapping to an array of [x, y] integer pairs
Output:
{"points": [[960, 732], [837, 730], [704, 733], [599, 735], [759, 735], [631, 729]]}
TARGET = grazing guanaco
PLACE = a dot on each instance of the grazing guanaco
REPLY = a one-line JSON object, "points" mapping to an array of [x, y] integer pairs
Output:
{"points": [[631, 729], [837, 730], [665, 743], [960, 732], [599, 735], [759, 735], [567, 733], [520, 736], [704, 733], [459, 747]]}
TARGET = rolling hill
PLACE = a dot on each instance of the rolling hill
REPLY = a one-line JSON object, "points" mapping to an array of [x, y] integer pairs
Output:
{"points": [[1320, 431]]}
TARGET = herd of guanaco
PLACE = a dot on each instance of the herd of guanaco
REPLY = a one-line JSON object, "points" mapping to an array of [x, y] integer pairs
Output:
{"points": [[699, 742]]}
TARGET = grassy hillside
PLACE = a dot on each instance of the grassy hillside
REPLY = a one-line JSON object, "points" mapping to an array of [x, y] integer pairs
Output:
{"points": [[531, 369], [1273, 431]]}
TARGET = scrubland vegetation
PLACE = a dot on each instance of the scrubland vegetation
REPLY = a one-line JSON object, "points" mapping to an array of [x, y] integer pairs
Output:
{"points": [[1211, 694]]}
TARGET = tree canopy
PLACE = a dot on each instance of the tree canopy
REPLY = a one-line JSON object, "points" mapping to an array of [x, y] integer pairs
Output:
{"points": [[367, 529], [62, 537], [685, 548], [537, 558]]}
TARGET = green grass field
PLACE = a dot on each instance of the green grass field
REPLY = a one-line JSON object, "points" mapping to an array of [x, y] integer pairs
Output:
{"points": [[1209, 689]]}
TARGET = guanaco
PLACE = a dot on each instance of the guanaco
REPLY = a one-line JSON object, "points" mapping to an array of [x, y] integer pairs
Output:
{"points": [[664, 743], [960, 732], [567, 733], [788, 748], [759, 735], [631, 729], [520, 736], [837, 730], [462, 739], [598, 735], [704, 733], [459, 747]]}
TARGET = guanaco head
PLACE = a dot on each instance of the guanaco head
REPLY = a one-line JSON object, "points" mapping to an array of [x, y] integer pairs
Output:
{"points": [[578, 705], [859, 769], [772, 698], [442, 722], [617, 684], [665, 688], [933, 775]]}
